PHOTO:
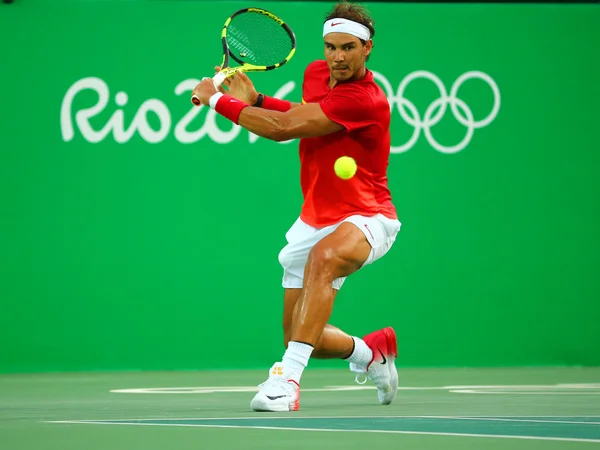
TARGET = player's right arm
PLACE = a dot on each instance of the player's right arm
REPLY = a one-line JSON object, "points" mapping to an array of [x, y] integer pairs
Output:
{"points": [[345, 108], [307, 121]]}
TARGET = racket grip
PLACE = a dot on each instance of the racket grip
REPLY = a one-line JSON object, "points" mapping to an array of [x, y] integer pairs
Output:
{"points": [[195, 100], [218, 79]]}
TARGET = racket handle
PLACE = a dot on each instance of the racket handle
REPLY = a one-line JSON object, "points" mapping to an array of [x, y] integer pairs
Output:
{"points": [[218, 79]]}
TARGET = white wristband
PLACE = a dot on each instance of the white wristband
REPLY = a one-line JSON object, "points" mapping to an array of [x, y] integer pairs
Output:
{"points": [[214, 99]]}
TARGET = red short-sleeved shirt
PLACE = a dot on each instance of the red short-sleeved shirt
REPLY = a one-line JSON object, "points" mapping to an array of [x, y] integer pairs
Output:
{"points": [[363, 109]]}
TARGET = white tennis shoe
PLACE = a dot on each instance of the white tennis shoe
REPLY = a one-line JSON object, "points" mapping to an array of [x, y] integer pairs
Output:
{"points": [[277, 393]]}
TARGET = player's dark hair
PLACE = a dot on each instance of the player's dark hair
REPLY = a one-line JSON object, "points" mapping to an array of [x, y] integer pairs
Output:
{"points": [[354, 12]]}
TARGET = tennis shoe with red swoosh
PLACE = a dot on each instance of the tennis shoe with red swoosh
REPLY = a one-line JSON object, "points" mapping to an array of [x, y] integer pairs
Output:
{"points": [[382, 369]]}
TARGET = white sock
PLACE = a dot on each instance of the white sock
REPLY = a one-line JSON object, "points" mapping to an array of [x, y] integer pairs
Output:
{"points": [[362, 354], [295, 359]]}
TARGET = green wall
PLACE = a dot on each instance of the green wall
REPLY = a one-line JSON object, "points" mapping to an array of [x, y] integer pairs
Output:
{"points": [[150, 241]]}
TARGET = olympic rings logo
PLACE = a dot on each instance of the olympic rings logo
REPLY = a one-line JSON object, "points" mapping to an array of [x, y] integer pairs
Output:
{"points": [[437, 109]]}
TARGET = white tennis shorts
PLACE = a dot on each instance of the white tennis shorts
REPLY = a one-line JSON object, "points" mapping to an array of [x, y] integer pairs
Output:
{"points": [[379, 230]]}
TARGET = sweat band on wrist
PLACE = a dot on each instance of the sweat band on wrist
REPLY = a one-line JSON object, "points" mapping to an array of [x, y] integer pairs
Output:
{"points": [[276, 104], [227, 106], [214, 99]]}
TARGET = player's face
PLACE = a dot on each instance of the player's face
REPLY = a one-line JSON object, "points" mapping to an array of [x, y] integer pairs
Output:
{"points": [[346, 55]]}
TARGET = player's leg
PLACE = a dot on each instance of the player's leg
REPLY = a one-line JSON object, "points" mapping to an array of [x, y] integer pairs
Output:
{"points": [[332, 258], [357, 241], [336, 255], [302, 238], [333, 342], [320, 259]]}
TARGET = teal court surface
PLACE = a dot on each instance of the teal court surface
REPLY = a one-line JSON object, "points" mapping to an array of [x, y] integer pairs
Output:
{"points": [[521, 409]]}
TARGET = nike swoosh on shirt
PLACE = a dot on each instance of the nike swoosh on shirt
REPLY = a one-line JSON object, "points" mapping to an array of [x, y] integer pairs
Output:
{"points": [[275, 398]]}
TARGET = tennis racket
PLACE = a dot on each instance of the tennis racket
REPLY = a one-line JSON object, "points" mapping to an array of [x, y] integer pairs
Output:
{"points": [[256, 39]]}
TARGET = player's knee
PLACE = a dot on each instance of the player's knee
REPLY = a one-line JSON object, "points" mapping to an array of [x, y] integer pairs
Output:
{"points": [[323, 257], [325, 261]]}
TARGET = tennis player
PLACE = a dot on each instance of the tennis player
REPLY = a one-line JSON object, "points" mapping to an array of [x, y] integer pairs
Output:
{"points": [[344, 224]]}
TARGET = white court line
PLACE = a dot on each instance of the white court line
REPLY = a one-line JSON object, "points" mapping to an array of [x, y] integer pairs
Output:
{"points": [[512, 419], [466, 389], [288, 416], [520, 392], [500, 436]]}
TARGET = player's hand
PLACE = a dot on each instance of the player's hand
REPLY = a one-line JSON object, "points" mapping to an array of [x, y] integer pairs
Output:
{"points": [[240, 87], [205, 90]]}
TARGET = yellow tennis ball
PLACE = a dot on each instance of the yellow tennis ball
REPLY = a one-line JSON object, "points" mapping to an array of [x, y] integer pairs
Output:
{"points": [[345, 167]]}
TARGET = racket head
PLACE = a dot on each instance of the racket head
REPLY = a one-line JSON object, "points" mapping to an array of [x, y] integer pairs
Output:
{"points": [[257, 39]]}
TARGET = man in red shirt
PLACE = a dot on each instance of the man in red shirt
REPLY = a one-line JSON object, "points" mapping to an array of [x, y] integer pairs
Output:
{"points": [[344, 224]]}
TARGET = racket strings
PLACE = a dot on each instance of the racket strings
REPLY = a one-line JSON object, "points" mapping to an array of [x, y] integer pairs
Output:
{"points": [[257, 39]]}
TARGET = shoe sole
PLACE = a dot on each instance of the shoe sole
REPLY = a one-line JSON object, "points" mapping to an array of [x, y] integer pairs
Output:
{"points": [[263, 405]]}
